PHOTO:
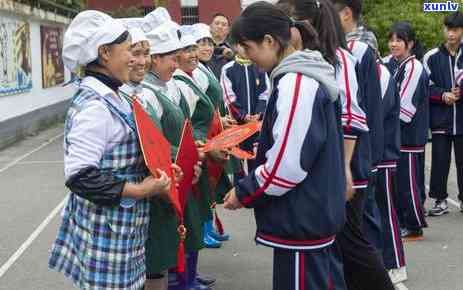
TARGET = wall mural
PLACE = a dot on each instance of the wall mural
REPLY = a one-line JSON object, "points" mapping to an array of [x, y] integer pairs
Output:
{"points": [[15, 57], [52, 64]]}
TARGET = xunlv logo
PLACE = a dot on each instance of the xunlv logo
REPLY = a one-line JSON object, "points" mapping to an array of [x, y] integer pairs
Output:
{"points": [[440, 6]]}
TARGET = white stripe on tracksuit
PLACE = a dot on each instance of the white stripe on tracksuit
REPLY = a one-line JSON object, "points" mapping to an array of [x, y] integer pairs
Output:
{"points": [[391, 222], [346, 77], [413, 71], [289, 172]]}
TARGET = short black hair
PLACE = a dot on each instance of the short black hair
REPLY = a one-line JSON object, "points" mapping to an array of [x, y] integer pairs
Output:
{"points": [[403, 30], [355, 5], [215, 15], [123, 37], [454, 20], [262, 18]]}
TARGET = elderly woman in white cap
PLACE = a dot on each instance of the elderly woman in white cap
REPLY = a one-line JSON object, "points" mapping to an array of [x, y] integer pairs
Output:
{"points": [[101, 241], [210, 85], [162, 245], [206, 124]]}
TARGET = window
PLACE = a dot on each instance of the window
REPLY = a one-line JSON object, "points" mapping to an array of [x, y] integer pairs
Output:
{"points": [[189, 12]]}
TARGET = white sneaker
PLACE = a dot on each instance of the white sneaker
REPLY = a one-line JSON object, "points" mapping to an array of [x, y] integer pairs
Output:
{"points": [[400, 286], [398, 275]]}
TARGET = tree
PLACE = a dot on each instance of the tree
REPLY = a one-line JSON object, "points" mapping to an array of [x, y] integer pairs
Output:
{"points": [[379, 15]]}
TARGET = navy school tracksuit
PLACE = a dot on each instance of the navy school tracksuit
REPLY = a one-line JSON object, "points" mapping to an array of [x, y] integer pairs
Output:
{"points": [[412, 83], [246, 92], [446, 121], [297, 212], [386, 190], [363, 266], [371, 92]]}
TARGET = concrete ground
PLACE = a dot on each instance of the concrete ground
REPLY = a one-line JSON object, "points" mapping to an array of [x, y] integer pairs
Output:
{"points": [[32, 193]]}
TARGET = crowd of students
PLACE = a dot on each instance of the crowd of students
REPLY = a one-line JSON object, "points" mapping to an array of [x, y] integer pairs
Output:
{"points": [[337, 184]]}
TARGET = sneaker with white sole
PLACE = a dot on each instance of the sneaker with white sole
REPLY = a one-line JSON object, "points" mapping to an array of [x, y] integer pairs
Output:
{"points": [[440, 208], [398, 275], [400, 286]]}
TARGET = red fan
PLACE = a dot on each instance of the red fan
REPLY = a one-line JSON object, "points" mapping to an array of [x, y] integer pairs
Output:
{"points": [[232, 137], [242, 154]]}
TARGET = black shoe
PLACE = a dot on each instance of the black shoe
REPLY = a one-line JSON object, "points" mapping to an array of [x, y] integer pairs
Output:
{"points": [[206, 281], [440, 208], [412, 235]]}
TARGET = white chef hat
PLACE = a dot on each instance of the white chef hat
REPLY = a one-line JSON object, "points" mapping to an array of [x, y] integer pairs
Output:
{"points": [[201, 30], [88, 31], [187, 38], [155, 19], [165, 38], [137, 35], [132, 22]]}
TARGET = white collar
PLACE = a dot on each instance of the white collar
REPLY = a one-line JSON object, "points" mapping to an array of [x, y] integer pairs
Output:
{"points": [[105, 92], [131, 89], [97, 86], [180, 72]]}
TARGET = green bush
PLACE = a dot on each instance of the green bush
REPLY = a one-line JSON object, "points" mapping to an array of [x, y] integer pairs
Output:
{"points": [[379, 15]]}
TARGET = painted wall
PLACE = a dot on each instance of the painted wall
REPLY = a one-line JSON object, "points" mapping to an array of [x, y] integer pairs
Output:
{"points": [[15, 105], [31, 111], [207, 8]]}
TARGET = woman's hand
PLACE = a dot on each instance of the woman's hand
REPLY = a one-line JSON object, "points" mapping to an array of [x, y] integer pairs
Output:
{"points": [[251, 118], [228, 122], [231, 201], [350, 191], [178, 173], [199, 146], [218, 156], [149, 187], [197, 172]]}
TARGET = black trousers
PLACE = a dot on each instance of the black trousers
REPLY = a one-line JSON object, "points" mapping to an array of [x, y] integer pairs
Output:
{"points": [[363, 264], [440, 165]]}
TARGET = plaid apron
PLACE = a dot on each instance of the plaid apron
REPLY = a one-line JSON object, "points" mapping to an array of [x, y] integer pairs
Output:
{"points": [[102, 247]]}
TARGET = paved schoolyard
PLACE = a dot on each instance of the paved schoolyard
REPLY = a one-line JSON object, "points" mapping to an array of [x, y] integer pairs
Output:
{"points": [[32, 192]]}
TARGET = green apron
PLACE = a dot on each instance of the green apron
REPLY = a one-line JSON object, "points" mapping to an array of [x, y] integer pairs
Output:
{"points": [[215, 94], [201, 119], [164, 230]]}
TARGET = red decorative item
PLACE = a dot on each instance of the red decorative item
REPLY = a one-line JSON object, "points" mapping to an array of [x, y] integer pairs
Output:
{"points": [[241, 154], [187, 158], [156, 152], [232, 137], [214, 169]]}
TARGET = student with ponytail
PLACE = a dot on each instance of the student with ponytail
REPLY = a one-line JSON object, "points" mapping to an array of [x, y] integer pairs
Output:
{"points": [[412, 82], [298, 213], [362, 45], [362, 263]]}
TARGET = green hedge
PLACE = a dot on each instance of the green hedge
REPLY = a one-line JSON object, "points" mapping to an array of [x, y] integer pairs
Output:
{"points": [[379, 15]]}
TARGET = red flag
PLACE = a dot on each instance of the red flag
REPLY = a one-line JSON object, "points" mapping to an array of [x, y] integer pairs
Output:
{"points": [[157, 151], [214, 170], [187, 158]]}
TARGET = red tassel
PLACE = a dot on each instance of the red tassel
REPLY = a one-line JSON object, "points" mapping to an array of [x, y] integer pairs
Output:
{"points": [[182, 231], [218, 223], [181, 257]]}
